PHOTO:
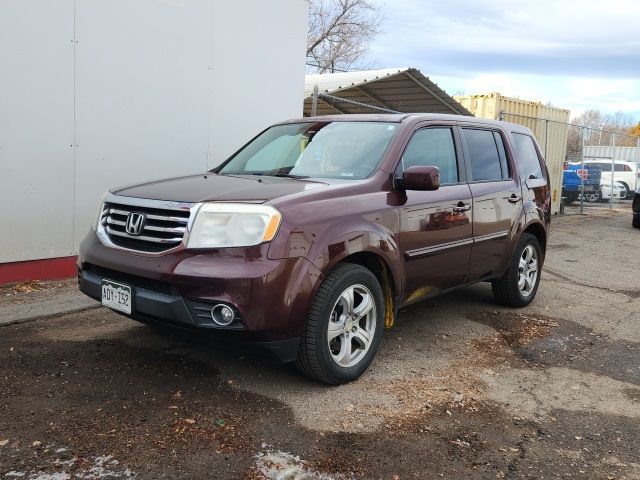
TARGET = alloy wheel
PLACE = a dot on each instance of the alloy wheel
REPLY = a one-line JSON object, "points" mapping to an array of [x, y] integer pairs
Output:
{"points": [[352, 326], [528, 270]]}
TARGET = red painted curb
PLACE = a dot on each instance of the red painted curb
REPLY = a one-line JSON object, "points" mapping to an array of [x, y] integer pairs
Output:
{"points": [[45, 269]]}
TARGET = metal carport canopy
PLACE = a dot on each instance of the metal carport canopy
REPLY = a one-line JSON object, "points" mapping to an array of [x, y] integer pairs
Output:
{"points": [[403, 90]]}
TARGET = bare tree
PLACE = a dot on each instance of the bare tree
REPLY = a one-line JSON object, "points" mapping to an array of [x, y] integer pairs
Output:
{"points": [[598, 131], [339, 33]]}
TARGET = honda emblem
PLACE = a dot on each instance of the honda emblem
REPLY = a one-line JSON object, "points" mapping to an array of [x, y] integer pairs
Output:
{"points": [[135, 223]]}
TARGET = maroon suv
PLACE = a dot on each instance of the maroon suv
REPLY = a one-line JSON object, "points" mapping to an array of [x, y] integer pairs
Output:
{"points": [[309, 239]]}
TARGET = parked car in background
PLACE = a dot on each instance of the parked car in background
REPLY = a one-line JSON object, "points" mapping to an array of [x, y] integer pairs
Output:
{"points": [[576, 179], [603, 194], [636, 209], [309, 239], [623, 172]]}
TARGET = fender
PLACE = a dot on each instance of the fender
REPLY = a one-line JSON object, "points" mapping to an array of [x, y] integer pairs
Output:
{"points": [[347, 239], [340, 243], [536, 227]]}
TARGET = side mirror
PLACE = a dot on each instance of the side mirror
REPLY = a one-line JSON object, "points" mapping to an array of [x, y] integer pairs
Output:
{"points": [[420, 178]]}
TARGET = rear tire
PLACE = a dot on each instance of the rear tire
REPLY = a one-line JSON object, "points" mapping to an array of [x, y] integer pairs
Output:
{"points": [[519, 284], [636, 221], [570, 198], [344, 327]]}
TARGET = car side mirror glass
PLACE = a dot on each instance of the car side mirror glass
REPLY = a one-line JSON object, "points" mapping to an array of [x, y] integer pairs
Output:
{"points": [[420, 178]]}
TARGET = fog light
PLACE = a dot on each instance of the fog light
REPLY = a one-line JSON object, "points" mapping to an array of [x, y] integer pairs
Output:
{"points": [[222, 315]]}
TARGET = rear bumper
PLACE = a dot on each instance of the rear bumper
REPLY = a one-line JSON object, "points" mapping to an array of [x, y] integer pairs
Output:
{"points": [[270, 297]]}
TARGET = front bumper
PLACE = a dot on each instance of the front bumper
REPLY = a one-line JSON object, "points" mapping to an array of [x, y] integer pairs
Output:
{"points": [[270, 297]]}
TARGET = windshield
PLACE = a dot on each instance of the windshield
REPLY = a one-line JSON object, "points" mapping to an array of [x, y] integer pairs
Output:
{"points": [[348, 150]]}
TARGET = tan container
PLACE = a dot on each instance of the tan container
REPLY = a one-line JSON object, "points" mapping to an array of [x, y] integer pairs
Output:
{"points": [[547, 123]]}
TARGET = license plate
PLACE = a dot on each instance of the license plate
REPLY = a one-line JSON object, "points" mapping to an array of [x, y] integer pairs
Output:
{"points": [[116, 296], [588, 188]]}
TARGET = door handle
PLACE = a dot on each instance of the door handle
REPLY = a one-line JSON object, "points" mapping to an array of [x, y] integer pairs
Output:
{"points": [[461, 207], [514, 198]]}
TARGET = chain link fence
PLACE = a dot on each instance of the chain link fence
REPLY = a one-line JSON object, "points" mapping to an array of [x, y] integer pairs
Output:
{"points": [[587, 179]]}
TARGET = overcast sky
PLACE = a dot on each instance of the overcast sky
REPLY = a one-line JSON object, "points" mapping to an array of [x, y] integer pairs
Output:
{"points": [[575, 54]]}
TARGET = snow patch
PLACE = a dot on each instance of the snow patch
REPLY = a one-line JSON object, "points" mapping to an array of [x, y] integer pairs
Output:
{"points": [[279, 465], [103, 467]]}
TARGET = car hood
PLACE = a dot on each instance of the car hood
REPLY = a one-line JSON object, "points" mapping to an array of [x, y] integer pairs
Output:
{"points": [[212, 187]]}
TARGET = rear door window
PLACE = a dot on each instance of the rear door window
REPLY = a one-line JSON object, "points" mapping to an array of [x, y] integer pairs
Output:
{"points": [[529, 162], [484, 156], [433, 147]]}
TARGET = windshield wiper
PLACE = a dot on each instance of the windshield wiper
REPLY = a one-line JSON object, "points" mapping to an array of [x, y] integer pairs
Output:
{"points": [[282, 174], [266, 174]]}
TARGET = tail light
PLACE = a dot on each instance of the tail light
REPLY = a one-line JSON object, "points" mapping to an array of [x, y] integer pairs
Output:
{"points": [[565, 165], [627, 168]]}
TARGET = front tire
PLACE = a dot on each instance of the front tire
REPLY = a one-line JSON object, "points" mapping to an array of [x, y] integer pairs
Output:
{"points": [[593, 197], [519, 285], [344, 327]]}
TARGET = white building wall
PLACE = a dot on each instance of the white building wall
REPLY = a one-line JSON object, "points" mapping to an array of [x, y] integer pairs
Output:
{"points": [[36, 129], [130, 91]]}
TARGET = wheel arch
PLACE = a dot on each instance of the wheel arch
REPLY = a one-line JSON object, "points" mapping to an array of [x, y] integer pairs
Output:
{"points": [[537, 230], [378, 263]]}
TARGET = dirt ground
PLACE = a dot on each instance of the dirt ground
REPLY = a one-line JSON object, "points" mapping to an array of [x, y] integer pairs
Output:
{"points": [[461, 388]]}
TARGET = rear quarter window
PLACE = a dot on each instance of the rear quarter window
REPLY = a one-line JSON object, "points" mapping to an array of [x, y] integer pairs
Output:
{"points": [[528, 160]]}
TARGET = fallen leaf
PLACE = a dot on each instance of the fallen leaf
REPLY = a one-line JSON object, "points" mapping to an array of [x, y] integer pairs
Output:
{"points": [[220, 422], [4, 442], [37, 443], [190, 421]]}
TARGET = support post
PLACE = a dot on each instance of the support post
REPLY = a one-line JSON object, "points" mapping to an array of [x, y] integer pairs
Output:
{"points": [[637, 162], [613, 148], [314, 101], [581, 179], [546, 140]]}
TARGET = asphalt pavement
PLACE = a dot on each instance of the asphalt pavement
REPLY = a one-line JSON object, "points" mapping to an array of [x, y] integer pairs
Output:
{"points": [[461, 388]]}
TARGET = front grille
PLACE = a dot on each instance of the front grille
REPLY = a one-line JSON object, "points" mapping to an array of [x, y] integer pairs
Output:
{"points": [[132, 280], [160, 229]]}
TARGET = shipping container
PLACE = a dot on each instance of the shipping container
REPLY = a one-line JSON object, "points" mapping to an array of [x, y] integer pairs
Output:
{"points": [[548, 124]]}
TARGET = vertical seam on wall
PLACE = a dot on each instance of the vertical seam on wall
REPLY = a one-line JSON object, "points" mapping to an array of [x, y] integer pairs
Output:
{"points": [[74, 147], [210, 90]]}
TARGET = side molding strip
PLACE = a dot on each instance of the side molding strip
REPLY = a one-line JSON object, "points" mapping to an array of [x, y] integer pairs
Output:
{"points": [[411, 254], [421, 252]]}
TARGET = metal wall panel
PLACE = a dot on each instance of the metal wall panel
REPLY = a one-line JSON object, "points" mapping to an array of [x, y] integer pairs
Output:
{"points": [[36, 129], [144, 90], [265, 43], [142, 82]]}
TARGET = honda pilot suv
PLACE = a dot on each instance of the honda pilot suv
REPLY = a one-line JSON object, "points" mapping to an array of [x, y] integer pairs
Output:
{"points": [[309, 239]]}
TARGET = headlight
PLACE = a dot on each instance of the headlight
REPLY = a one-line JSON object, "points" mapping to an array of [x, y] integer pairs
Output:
{"points": [[219, 225]]}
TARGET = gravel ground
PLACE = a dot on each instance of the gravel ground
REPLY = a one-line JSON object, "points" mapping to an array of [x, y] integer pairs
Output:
{"points": [[461, 388]]}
